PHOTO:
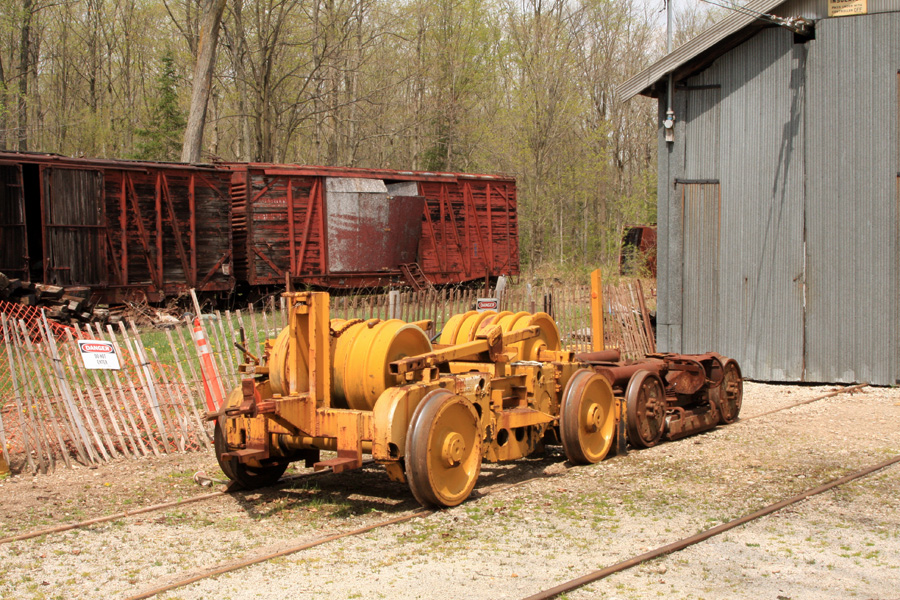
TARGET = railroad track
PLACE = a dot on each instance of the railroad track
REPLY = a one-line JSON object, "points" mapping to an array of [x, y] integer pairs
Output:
{"points": [[234, 565], [226, 567], [553, 592], [203, 497], [147, 509], [705, 535]]}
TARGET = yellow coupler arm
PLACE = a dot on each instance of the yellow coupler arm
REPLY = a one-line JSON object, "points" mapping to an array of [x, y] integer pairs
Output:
{"points": [[492, 343]]}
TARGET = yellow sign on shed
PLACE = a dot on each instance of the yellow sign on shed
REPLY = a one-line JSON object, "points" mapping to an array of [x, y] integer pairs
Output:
{"points": [[846, 8]]}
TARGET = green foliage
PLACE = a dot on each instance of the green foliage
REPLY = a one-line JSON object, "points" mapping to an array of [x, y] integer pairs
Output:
{"points": [[162, 139]]}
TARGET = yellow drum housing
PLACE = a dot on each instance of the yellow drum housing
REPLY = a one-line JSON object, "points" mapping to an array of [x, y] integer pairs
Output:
{"points": [[362, 356]]}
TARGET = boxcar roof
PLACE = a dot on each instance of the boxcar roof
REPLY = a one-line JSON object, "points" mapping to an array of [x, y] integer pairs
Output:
{"points": [[103, 163], [388, 174]]}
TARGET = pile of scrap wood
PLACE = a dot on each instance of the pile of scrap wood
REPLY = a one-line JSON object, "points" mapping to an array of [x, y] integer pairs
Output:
{"points": [[63, 304]]}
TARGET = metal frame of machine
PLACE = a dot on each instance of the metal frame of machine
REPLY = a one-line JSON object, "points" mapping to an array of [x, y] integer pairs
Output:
{"points": [[496, 387]]}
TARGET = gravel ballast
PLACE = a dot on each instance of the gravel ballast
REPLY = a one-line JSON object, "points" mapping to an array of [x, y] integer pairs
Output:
{"points": [[506, 541]]}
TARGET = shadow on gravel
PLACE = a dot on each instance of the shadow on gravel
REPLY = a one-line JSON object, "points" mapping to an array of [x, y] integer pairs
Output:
{"points": [[369, 490]]}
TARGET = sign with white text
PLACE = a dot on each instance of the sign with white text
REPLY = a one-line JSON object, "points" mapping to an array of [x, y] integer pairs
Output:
{"points": [[483, 304]]}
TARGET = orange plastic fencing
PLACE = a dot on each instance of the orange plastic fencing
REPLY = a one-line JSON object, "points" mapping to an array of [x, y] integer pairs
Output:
{"points": [[32, 316], [54, 410]]}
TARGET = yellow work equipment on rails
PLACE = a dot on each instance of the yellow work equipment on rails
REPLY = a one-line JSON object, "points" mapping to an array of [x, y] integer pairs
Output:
{"points": [[496, 387]]}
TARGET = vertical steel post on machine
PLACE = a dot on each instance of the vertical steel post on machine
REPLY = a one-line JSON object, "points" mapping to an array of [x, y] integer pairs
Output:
{"points": [[597, 343]]}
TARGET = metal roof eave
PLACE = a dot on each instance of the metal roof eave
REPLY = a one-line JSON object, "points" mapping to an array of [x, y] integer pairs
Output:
{"points": [[714, 37]]}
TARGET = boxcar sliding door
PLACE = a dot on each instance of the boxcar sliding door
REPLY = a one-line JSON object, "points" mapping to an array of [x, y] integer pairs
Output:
{"points": [[74, 231], [13, 235]]}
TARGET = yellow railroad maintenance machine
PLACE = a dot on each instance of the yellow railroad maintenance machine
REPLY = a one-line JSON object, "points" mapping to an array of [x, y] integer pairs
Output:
{"points": [[496, 387]]}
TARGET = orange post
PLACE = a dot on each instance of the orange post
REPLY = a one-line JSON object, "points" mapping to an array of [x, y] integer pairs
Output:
{"points": [[207, 369]]}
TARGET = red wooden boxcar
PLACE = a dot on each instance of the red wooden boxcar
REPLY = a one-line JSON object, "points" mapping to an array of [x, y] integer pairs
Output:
{"points": [[115, 226], [344, 228], [157, 229]]}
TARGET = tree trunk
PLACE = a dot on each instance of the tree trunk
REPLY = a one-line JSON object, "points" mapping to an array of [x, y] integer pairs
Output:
{"points": [[4, 109], [203, 72], [24, 68]]}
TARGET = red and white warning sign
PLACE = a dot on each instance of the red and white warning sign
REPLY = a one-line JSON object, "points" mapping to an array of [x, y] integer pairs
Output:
{"points": [[483, 304], [99, 355]]}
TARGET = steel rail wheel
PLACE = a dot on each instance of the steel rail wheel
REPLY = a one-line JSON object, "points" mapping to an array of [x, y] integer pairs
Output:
{"points": [[219, 445], [248, 476], [730, 392], [443, 449], [587, 421], [645, 409]]}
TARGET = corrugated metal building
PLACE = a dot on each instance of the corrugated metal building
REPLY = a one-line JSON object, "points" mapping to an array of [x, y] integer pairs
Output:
{"points": [[779, 199]]}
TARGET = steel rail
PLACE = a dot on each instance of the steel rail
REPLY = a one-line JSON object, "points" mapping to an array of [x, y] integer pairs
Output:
{"points": [[575, 583], [120, 515], [235, 565], [240, 564], [704, 535], [846, 390], [146, 509]]}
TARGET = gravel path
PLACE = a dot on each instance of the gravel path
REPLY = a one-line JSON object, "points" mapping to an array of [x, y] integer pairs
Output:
{"points": [[507, 542]]}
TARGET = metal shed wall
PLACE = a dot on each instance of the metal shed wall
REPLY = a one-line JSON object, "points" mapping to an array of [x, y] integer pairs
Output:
{"points": [[852, 165], [789, 152]]}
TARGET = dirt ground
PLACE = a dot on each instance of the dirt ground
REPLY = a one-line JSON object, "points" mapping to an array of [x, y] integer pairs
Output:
{"points": [[505, 542]]}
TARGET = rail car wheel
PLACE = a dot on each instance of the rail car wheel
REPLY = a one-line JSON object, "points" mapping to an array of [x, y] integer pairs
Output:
{"points": [[443, 449], [587, 421], [645, 409], [731, 392], [248, 476]]}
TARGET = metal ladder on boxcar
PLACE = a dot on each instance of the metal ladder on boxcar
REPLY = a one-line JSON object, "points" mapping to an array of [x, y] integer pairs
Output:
{"points": [[416, 277]]}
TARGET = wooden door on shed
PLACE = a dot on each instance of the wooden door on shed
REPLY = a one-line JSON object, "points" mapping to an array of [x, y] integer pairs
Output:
{"points": [[74, 226], [700, 205], [13, 234], [699, 193]]}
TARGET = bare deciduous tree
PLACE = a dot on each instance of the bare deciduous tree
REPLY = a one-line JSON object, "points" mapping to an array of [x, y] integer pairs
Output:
{"points": [[210, 20]]}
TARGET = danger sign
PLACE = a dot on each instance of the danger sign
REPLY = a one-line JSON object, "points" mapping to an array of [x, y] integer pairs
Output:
{"points": [[98, 355], [483, 304]]}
